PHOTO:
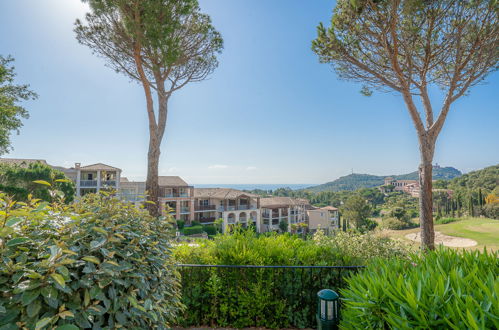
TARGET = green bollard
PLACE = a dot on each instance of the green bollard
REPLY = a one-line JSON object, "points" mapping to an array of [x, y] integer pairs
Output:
{"points": [[328, 313]]}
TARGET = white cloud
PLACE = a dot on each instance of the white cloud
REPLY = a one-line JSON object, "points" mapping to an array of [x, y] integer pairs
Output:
{"points": [[217, 167], [251, 168]]}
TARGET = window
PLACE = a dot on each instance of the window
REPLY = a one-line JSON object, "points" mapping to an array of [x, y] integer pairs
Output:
{"points": [[90, 176], [204, 202]]}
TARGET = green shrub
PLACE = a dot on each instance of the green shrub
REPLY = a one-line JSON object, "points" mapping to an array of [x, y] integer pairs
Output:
{"points": [[396, 224], [180, 224], [491, 210], [210, 230], [193, 230], [444, 221], [195, 223], [18, 181], [271, 298], [98, 263], [441, 289]]}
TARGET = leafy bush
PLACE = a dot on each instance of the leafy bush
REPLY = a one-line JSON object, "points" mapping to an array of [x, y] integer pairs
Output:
{"points": [[18, 181], [491, 210], [396, 224], [441, 289], [98, 263], [444, 221], [272, 298], [180, 224], [195, 223], [210, 230], [193, 230]]}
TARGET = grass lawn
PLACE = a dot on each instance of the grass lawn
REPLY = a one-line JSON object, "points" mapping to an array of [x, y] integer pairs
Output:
{"points": [[484, 231]]}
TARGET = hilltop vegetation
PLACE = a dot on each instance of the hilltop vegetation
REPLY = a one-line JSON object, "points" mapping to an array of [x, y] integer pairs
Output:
{"points": [[357, 181], [486, 179]]}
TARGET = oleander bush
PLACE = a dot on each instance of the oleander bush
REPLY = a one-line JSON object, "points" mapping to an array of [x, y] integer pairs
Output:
{"points": [[99, 263], [269, 297], [444, 289]]}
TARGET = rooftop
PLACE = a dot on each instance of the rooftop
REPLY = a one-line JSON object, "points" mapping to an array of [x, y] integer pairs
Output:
{"points": [[222, 193], [171, 181], [99, 167], [282, 201], [21, 162]]}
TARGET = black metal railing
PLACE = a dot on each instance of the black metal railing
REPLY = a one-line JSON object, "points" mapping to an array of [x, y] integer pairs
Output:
{"points": [[222, 295]]}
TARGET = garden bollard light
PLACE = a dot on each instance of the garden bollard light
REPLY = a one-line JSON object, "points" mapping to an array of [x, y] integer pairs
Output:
{"points": [[328, 315]]}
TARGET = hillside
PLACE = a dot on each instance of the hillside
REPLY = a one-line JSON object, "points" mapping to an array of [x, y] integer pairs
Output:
{"points": [[486, 179], [357, 181]]}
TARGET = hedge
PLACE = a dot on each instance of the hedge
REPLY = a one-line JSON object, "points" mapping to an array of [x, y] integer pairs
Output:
{"points": [[193, 230], [271, 298]]}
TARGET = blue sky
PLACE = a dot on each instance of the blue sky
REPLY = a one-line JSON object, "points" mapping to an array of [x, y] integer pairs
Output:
{"points": [[271, 113]]}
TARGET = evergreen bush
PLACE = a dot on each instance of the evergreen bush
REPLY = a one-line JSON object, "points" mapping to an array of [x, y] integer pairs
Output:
{"points": [[99, 263], [444, 221], [271, 298], [210, 230], [192, 230], [443, 289]]}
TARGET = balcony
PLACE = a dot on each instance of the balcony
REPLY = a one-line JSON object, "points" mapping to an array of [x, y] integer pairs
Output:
{"points": [[176, 195], [108, 183], [207, 220], [236, 208], [199, 208], [88, 183], [184, 209]]}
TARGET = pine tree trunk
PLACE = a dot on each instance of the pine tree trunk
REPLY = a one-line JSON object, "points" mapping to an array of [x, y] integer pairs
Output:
{"points": [[426, 203], [152, 185]]}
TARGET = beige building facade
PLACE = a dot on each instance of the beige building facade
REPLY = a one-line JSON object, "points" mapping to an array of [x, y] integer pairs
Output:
{"points": [[325, 218]]}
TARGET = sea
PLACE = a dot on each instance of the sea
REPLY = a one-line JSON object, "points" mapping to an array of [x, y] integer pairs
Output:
{"points": [[263, 186]]}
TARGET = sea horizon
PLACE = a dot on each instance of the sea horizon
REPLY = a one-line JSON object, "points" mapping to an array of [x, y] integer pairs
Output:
{"points": [[252, 186]]}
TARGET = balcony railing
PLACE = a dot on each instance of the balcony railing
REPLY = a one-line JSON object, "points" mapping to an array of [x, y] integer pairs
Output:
{"points": [[205, 208], [108, 183], [88, 183], [207, 220], [184, 209], [236, 208], [177, 195]]}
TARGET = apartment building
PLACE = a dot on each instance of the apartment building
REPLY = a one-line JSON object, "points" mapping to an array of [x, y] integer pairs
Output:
{"points": [[204, 205], [277, 209], [232, 205], [93, 178], [325, 218]]}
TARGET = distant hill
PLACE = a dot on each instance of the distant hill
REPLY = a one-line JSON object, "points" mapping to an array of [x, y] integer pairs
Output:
{"points": [[357, 181], [486, 179]]}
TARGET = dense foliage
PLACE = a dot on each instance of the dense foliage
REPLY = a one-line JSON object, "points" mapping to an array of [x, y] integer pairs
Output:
{"points": [[441, 289], [357, 211], [473, 194], [11, 96], [98, 263], [18, 180], [272, 298], [357, 181]]}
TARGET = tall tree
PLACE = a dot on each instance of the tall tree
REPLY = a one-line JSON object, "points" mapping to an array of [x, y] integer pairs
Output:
{"points": [[411, 47], [163, 45], [11, 96], [356, 210]]}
